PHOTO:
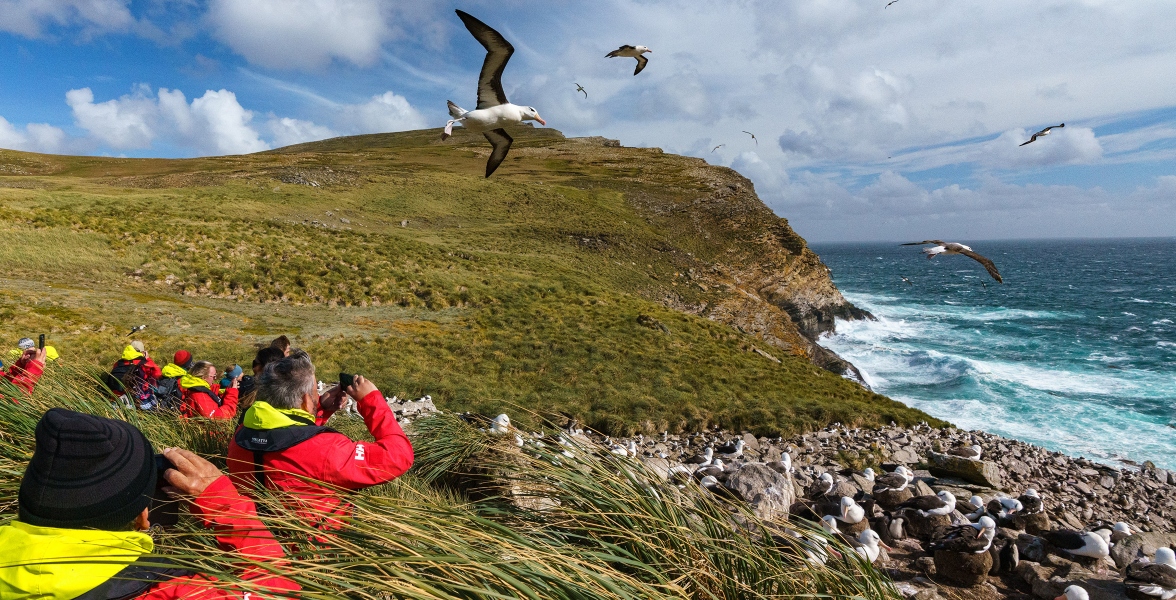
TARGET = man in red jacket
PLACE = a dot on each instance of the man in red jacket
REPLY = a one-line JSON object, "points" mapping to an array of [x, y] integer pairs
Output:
{"points": [[83, 513], [25, 372], [283, 445]]}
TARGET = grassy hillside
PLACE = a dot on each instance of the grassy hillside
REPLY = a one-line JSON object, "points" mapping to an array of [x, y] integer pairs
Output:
{"points": [[633, 289]]}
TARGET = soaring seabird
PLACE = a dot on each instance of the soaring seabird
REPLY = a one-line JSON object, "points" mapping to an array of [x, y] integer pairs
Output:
{"points": [[1153, 579], [1042, 132], [136, 329], [752, 137], [494, 110], [948, 248], [717, 147], [888, 6], [907, 281], [580, 88], [631, 52]]}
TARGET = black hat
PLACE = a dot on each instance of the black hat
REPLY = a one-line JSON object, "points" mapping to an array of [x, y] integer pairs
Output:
{"points": [[87, 472]]}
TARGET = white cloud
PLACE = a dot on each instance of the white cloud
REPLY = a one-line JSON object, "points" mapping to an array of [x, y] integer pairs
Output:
{"points": [[214, 123], [288, 34], [287, 131], [385, 112], [31, 18], [36, 137]]}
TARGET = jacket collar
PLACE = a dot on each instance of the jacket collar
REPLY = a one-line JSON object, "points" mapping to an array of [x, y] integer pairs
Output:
{"points": [[188, 381], [129, 353], [60, 564], [262, 415], [173, 370]]}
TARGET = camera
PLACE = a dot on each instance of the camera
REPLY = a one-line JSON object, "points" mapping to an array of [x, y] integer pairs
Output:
{"points": [[163, 510]]}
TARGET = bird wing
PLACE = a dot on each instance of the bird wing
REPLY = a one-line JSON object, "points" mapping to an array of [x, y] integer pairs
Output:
{"points": [[618, 51], [923, 503], [1152, 573], [501, 142], [1034, 138], [641, 62], [498, 52], [923, 243], [988, 264], [1065, 539], [752, 137]]}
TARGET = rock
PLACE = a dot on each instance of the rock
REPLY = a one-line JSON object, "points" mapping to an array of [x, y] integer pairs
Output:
{"points": [[924, 527], [890, 498], [918, 590], [905, 456], [751, 443], [964, 570], [769, 493], [1040, 579], [1140, 544], [844, 488], [659, 466], [922, 489], [412, 408], [979, 472]]}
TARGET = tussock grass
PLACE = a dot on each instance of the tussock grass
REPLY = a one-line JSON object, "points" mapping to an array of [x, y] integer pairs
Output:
{"points": [[521, 523]]}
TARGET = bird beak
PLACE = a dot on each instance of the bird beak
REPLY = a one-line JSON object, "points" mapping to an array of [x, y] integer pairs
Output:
{"points": [[540, 119], [883, 544]]}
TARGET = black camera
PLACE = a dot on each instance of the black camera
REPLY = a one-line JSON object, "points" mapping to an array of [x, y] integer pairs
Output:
{"points": [[163, 510]]}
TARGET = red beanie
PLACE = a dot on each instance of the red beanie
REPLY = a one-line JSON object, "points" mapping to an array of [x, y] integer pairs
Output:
{"points": [[182, 358]]}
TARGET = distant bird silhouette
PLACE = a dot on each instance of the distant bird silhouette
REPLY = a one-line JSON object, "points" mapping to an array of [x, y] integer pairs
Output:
{"points": [[891, 2], [580, 88], [136, 329], [1043, 132], [752, 137], [907, 281], [717, 147], [632, 52], [942, 247]]}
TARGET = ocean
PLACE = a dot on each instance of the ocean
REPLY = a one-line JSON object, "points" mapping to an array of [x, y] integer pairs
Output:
{"points": [[1075, 352]]}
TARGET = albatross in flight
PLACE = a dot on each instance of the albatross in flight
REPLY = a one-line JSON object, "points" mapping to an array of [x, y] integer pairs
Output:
{"points": [[717, 147], [1043, 132], [942, 247], [631, 52], [752, 137], [580, 88], [494, 110]]}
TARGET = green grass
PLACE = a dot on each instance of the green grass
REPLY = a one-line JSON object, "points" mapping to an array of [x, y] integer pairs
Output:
{"points": [[522, 290], [478, 517]]}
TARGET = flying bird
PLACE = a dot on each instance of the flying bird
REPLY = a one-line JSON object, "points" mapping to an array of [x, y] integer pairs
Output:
{"points": [[136, 329], [906, 281], [752, 137], [1043, 132], [889, 3], [942, 247], [631, 52], [580, 88], [494, 110], [717, 147]]}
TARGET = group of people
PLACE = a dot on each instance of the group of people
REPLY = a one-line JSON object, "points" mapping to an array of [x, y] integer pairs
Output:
{"points": [[86, 497]]}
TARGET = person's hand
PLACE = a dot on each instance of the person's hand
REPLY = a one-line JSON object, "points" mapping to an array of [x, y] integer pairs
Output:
{"points": [[235, 383], [330, 401], [361, 388], [191, 475], [35, 355]]}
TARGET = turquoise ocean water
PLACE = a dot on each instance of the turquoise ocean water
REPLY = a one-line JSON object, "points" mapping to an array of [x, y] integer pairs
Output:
{"points": [[1076, 351]]}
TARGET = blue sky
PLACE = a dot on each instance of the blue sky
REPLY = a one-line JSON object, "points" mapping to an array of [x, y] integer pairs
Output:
{"points": [[873, 123]]}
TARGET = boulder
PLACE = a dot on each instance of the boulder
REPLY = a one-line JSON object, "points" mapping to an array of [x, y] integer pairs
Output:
{"points": [[658, 466], [924, 528], [965, 570], [769, 493], [844, 488], [905, 456], [1141, 544], [890, 498], [979, 472]]}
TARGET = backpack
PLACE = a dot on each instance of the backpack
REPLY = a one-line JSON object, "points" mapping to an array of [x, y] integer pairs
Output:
{"points": [[129, 378], [168, 393]]}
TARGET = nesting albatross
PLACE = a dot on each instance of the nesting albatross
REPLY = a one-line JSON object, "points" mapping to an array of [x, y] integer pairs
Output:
{"points": [[948, 248], [494, 111]]}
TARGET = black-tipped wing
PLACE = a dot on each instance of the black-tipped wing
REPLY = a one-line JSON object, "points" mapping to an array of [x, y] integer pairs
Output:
{"points": [[988, 264], [498, 52], [1142, 573], [641, 62], [618, 51], [1066, 539], [923, 503], [923, 243], [1032, 139], [752, 137], [501, 142]]}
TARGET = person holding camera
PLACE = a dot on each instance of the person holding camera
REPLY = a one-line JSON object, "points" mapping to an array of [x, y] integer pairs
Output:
{"points": [[27, 370], [202, 395], [283, 445], [83, 509]]}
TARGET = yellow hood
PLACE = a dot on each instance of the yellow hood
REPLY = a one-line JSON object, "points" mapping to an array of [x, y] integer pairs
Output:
{"points": [[47, 563], [191, 381], [129, 353], [261, 415], [50, 353], [173, 370]]}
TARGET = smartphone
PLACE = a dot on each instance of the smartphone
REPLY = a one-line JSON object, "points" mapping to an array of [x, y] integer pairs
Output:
{"points": [[163, 510], [346, 380], [41, 342]]}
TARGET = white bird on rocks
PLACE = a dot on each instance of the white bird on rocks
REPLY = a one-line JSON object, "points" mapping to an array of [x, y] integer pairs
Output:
{"points": [[870, 545], [943, 503], [868, 474], [1086, 544], [709, 482], [702, 459], [494, 111], [1011, 506], [628, 51], [1031, 502], [1074, 593], [949, 248], [1120, 532], [977, 504], [823, 486], [500, 424], [895, 481], [786, 462], [731, 449], [851, 512], [632, 449], [972, 452]]}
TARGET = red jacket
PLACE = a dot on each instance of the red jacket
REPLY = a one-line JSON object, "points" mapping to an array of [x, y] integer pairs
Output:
{"points": [[24, 374], [338, 462], [203, 401]]}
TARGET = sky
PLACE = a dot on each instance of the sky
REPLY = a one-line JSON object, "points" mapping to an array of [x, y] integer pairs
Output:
{"points": [[871, 122]]}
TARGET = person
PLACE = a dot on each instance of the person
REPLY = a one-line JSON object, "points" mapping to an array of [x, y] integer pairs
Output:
{"points": [[83, 512], [26, 343], [26, 371], [202, 397], [167, 389], [281, 343], [283, 445], [231, 373], [134, 377], [247, 389]]}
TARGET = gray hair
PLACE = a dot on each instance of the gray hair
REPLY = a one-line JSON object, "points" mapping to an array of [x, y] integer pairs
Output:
{"points": [[285, 381]]}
